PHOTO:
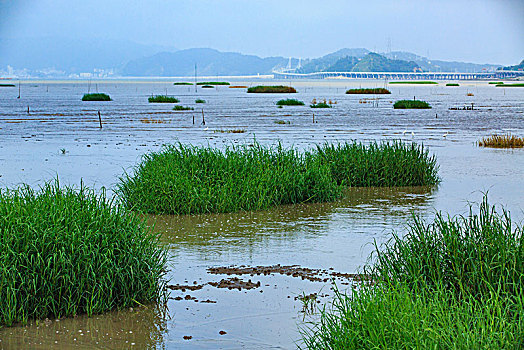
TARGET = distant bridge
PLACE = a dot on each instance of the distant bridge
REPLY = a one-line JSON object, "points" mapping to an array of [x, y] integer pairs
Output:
{"points": [[502, 74]]}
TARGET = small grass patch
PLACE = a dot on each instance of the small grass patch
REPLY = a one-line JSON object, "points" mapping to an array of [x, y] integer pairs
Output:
{"points": [[96, 97], [280, 89], [368, 91], [213, 83], [456, 282], [7, 85], [411, 104], [413, 82], [183, 108], [163, 99], [66, 252], [198, 100], [510, 85], [230, 131], [282, 122], [185, 179], [320, 105], [207, 87], [496, 82], [182, 83], [502, 141], [290, 102], [452, 84]]}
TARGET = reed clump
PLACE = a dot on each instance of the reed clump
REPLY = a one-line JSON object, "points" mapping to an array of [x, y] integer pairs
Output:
{"points": [[199, 100], [290, 102], [7, 85], [183, 108], [96, 97], [456, 282], [185, 179], [413, 82], [182, 83], [230, 131], [66, 252], [452, 84], [163, 99], [411, 104], [213, 83], [282, 122], [320, 105], [510, 85], [368, 91], [260, 89], [502, 141]]}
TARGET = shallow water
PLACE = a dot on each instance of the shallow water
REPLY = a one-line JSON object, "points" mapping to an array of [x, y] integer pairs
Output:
{"points": [[332, 237]]}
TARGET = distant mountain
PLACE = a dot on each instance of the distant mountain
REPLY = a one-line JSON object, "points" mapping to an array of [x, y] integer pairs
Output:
{"points": [[428, 65], [344, 64], [209, 62], [519, 66], [71, 55], [322, 63]]}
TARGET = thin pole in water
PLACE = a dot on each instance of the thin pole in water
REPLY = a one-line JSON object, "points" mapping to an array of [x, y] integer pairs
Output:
{"points": [[203, 120], [313, 118], [27, 109], [100, 119], [193, 119], [18, 89], [195, 77]]}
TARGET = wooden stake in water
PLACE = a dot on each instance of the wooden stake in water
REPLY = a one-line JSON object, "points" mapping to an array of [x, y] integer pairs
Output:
{"points": [[100, 119], [203, 119], [18, 89], [193, 119], [27, 109], [313, 118]]}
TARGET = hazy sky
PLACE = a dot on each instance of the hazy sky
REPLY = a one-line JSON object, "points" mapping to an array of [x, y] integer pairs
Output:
{"points": [[480, 31]]}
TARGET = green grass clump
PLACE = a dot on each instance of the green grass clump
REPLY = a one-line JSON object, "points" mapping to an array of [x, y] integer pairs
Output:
{"points": [[260, 89], [213, 83], [7, 85], [199, 100], [413, 82], [282, 122], [452, 84], [208, 87], [510, 85], [182, 83], [96, 97], [163, 99], [454, 283], [411, 104], [65, 252], [183, 108], [320, 105], [386, 164], [290, 102], [368, 91], [230, 131], [184, 179]]}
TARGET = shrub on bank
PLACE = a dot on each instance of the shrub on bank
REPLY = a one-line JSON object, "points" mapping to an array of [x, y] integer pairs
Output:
{"points": [[65, 252]]}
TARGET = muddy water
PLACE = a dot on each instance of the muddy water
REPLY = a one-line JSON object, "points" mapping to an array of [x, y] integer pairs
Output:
{"points": [[314, 243]]}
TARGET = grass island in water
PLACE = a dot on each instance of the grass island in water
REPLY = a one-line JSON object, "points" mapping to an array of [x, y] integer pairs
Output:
{"points": [[186, 179], [368, 91], [183, 108], [290, 102], [66, 252], [282, 89], [502, 141], [452, 84], [411, 104], [163, 99], [96, 97]]}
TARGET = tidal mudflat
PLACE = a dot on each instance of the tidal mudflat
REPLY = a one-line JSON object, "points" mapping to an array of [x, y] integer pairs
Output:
{"points": [[278, 257]]}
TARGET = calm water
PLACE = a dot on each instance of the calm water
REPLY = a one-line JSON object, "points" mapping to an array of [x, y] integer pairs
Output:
{"points": [[337, 236]]}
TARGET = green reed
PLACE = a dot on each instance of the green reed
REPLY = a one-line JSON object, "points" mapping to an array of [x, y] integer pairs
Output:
{"points": [[368, 91], [454, 283], [182, 83], [163, 99], [213, 83], [411, 104], [452, 84], [290, 102], [386, 164], [199, 100], [320, 105], [271, 89], [96, 97], [185, 179], [183, 108], [65, 252], [510, 85]]}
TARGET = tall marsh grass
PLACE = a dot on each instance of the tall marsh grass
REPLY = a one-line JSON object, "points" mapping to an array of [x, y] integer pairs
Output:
{"points": [[411, 104], [454, 283], [290, 102], [96, 97], [185, 179], [66, 252], [163, 99], [502, 141], [368, 91], [271, 89]]}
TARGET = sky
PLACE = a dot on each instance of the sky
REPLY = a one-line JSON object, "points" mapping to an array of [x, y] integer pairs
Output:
{"points": [[479, 31]]}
